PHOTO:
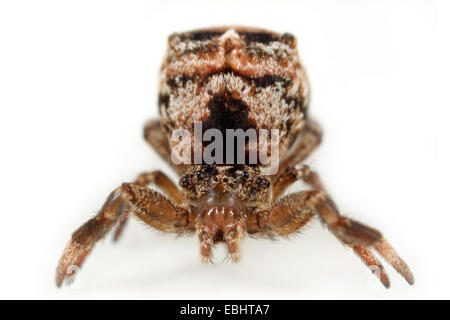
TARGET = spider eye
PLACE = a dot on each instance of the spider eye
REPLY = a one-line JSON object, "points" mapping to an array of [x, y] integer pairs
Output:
{"points": [[185, 181], [199, 173], [245, 175]]}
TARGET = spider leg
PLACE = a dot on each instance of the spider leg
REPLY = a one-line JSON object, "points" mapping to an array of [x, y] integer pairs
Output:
{"points": [[356, 234], [159, 179], [293, 211], [287, 216], [373, 263], [154, 135], [293, 174], [146, 204], [123, 220], [388, 253], [84, 238], [307, 141]]}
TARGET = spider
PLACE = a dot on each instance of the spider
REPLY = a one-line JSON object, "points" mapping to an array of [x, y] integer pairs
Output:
{"points": [[231, 78]]}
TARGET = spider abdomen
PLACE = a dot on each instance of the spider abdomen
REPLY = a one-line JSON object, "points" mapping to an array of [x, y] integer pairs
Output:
{"points": [[233, 78]]}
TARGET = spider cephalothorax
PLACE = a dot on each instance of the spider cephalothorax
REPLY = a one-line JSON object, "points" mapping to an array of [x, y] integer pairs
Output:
{"points": [[231, 78]]}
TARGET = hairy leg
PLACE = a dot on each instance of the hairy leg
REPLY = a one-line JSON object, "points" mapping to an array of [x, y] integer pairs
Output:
{"points": [[308, 140], [296, 210], [371, 261], [148, 205], [159, 179], [287, 216], [154, 135], [293, 174]]}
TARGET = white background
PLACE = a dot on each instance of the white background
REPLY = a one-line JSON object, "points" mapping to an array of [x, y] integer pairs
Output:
{"points": [[78, 80]]}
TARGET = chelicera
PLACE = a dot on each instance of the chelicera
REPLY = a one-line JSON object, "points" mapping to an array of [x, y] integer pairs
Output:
{"points": [[231, 78]]}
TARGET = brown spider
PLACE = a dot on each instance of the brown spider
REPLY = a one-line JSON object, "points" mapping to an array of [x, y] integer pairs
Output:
{"points": [[231, 78]]}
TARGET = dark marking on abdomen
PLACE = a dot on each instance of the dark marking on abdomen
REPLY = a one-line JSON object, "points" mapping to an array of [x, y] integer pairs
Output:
{"points": [[259, 36], [258, 82], [163, 99], [227, 113], [201, 35]]}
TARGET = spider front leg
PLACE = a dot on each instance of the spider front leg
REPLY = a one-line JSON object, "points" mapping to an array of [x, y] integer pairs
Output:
{"points": [[293, 211], [293, 174], [305, 143], [159, 179], [155, 137], [146, 204]]}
